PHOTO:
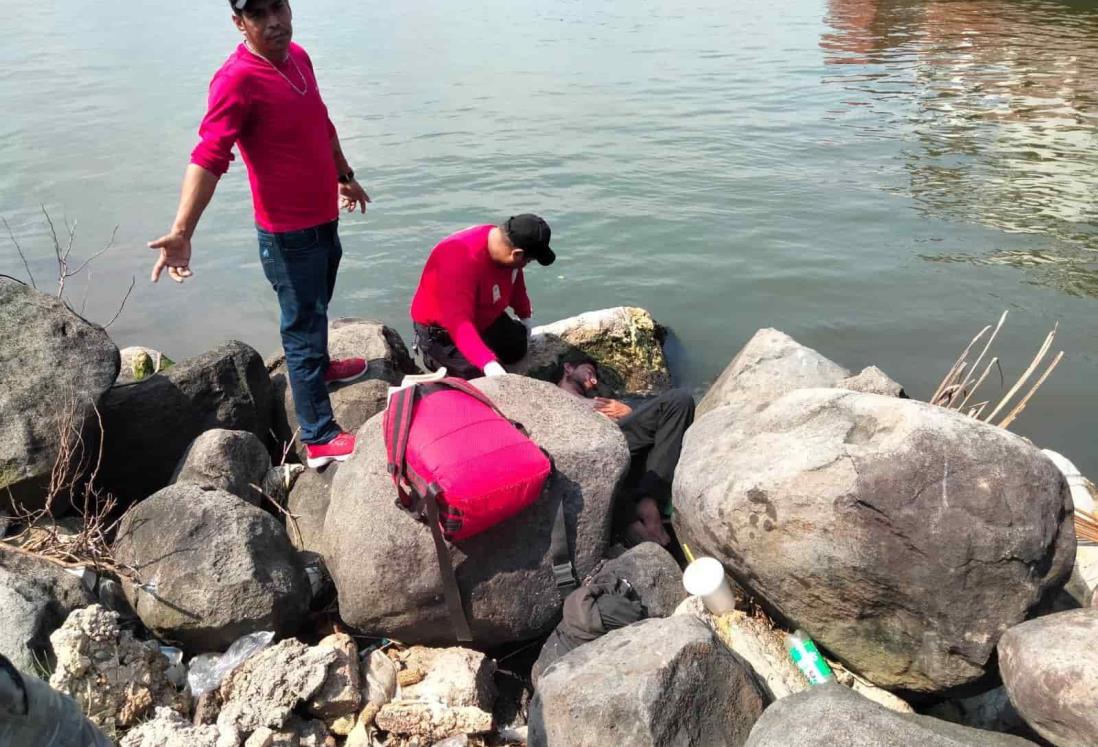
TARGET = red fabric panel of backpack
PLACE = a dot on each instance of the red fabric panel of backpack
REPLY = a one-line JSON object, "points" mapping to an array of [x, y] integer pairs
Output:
{"points": [[487, 468]]}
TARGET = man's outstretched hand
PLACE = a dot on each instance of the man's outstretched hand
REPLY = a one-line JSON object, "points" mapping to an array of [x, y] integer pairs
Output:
{"points": [[612, 408], [175, 256], [352, 195]]}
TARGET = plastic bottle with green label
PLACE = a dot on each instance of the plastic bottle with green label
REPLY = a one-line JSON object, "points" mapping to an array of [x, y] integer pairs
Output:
{"points": [[808, 658]]}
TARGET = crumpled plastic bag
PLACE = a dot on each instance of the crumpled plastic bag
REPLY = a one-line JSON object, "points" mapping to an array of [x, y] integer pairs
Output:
{"points": [[381, 678], [208, 670]]}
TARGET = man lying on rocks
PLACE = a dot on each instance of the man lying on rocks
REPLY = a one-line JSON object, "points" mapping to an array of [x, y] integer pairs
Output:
{"points": [[653, 430]]}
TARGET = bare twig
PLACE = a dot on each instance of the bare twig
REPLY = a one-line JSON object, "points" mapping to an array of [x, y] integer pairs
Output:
{"points": [[133, 279], [1086, 526], [960, 362], [1025, 376], [1005, 422], [956, 389], [979, 381], [11, 235], [73, 477], [291, 519], [987, 345], [98, 254]]}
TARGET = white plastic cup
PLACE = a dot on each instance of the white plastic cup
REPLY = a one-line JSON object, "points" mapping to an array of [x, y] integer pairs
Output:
{"points": [[705, 578]]}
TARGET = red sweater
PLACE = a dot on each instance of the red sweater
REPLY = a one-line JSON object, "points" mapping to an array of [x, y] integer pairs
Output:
{"points": [[463, 291], [285, 138]]}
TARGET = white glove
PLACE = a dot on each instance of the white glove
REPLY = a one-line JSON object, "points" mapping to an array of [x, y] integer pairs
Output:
{"points": [[528, 322], [494, 369]]}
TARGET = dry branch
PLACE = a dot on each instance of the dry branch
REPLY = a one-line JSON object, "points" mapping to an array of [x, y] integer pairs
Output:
{"points": [[73, 478], [957, 388], [19, 249], [1025, 376]]}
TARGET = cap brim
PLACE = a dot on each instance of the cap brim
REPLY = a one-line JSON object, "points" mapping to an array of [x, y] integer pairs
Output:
{"points": [[546, 257]]}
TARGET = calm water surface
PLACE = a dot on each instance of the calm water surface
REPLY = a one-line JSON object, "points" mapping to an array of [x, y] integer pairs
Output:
{"points": [[878, 179]]}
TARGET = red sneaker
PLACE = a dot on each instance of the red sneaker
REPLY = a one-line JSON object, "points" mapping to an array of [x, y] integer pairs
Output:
{"points": [[339, 449], [347, 369]]}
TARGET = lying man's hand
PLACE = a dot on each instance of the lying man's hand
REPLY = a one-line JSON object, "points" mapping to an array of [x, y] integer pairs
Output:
{"points": [[612, 408]]}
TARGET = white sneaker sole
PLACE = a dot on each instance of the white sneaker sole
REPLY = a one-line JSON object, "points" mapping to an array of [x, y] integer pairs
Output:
{"points": [[318, 462]]}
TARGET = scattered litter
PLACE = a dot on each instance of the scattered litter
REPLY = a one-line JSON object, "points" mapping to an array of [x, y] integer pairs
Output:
{"points": [[808, 658], [208, 670], [176, 671]]}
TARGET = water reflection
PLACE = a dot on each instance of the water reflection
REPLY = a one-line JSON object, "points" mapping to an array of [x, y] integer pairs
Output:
{"points": [[996, 102]]}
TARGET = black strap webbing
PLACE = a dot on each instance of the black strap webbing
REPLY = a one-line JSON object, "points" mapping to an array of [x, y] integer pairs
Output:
{"points": [[564, 572], [450, 588]]}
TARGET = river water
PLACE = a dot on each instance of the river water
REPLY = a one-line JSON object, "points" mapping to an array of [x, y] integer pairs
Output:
{"points": [[878, 179]]}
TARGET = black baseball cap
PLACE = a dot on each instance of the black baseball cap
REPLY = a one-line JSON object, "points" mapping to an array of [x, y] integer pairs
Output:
{"points": [[530, 233]]}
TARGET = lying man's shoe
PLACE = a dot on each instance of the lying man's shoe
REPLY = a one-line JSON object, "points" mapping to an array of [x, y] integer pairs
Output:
{"points": [[339, 449], [347, 369]]}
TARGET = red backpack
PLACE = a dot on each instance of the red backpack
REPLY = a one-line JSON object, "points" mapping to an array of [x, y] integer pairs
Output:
{"points": [[461, 467]]}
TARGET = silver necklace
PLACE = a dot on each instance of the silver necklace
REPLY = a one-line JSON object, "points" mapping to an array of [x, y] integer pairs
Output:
{"points": [[304, 80]]}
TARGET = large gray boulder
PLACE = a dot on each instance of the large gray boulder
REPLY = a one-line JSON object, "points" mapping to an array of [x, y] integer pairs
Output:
{"points": [[771, 364], [1050, 669], [383, 561], [149, 424], [835, 715], [233, 461], [654, 574], [308, 508], [626, 342], [54, 368], [658, 682], [904, 538], [211, 568], [355, 402], [35, 598]]}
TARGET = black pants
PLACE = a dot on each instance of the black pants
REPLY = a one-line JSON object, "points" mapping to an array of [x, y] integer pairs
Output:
{"points": [[654, 432], [506, 337]]}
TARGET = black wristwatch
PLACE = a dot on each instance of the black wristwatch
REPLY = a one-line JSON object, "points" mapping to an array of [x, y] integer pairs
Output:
{"points": [[348, 177]]}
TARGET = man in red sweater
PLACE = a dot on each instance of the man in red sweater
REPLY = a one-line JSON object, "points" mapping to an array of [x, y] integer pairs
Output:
{"points": [[265, 101], [468, 283]]}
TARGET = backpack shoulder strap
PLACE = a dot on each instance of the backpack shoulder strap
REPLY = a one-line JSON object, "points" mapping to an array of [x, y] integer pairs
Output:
{"points": [[464, 386], [450, 589], [397, 424], [564, 570]]}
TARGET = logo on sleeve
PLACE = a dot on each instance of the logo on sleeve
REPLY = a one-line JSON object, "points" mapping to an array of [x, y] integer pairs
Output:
{"points": [[496, 295]]}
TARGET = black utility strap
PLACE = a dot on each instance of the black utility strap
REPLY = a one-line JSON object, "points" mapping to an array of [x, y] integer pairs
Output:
{"points": [[446, 568], [564, 572]]}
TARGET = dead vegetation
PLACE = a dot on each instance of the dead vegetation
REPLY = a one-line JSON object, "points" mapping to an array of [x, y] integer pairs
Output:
{"points": [[84, 541], [67, 266], [958, 389]]}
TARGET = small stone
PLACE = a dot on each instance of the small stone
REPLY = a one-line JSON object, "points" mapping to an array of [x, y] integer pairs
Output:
{"points": [[261, 737], [265, 689], [115, 678], [340, 695], [873, 380], [432, 720], [170, 729], [410, 677]]}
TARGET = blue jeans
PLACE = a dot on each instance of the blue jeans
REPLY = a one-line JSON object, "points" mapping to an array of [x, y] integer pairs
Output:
{"points": [[301, 266]]}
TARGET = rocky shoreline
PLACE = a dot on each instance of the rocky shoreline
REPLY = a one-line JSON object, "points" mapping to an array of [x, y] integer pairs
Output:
{"points": [[169, 565]]}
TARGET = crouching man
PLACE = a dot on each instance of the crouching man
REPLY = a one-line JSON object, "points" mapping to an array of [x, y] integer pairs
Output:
{"points": [[653, 430], [470, 280]]}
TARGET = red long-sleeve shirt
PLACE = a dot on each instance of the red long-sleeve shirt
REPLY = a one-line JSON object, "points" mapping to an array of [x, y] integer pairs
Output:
{"points": [[284, 137], [463, 291]]}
